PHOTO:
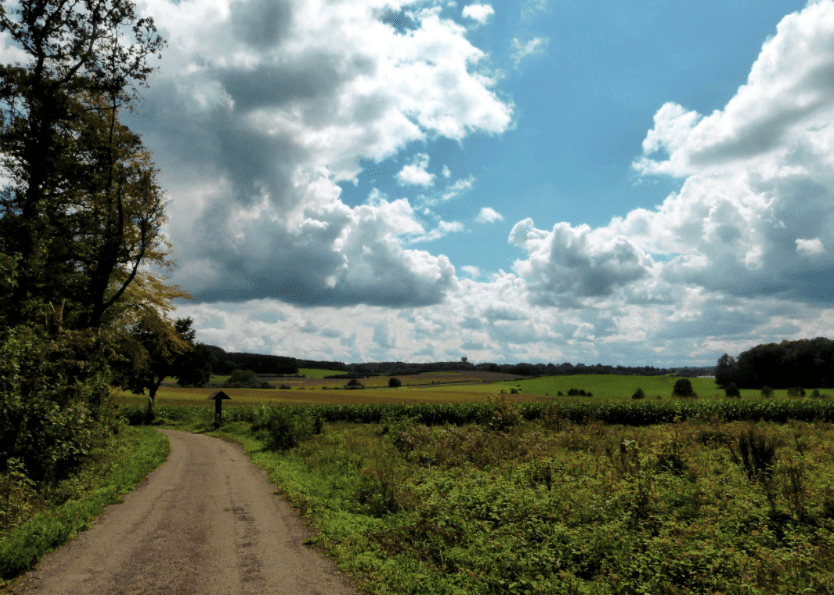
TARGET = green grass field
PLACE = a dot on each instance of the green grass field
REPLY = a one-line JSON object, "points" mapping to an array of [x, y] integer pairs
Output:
{"points": [[614, 386]]}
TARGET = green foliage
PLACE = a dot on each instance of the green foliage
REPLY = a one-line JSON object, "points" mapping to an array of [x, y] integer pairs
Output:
{"points": [[54, 397], [638, 394], [767, 392], [394, 383], [683, 388], [756, 452], [283, 428], [17, 491], [504, 414], [408, 508], [731, 390], [243, 376], [796, 391], [354, 383]]}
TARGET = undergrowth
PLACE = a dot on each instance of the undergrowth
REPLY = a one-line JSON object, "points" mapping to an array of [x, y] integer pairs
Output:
{"points": [[510, 505]]}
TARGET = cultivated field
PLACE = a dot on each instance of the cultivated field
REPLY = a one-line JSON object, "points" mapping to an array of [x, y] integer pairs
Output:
{"points": [[436, 387]]}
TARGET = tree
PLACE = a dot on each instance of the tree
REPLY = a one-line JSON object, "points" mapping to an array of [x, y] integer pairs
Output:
{"points": [[683, 388], [76, 172], [156, 350], [726, 370], [395, 382]]}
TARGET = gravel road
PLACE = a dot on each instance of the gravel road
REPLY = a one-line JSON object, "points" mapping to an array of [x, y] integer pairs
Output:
{"points": [[207, 521]]}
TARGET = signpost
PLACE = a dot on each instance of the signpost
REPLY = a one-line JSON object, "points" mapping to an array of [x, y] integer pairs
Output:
{"points": [[218, 403]]}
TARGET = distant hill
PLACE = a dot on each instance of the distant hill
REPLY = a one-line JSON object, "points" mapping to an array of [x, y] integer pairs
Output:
{"points": [[224, 362]]}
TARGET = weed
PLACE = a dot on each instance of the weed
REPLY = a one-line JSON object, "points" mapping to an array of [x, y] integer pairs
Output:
{"points": [[755, 452], [795, 487]]}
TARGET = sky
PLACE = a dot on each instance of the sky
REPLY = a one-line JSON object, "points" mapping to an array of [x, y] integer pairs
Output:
{"points": [[621, 182]]}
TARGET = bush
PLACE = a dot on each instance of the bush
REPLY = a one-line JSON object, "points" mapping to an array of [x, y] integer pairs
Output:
{"points": [[243, 376], [282, 429], [395, 382], [731, 390], [638, 394], [767, 392], [796, 391], [504, 414], [54, 396], [354, 383], [683, 388]]}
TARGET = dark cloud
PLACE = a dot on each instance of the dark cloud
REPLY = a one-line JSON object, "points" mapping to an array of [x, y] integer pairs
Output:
{"points": [[262, 23], [313, 75]]}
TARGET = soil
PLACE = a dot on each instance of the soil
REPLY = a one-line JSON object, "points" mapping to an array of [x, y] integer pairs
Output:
{"points": [[207, 521]]}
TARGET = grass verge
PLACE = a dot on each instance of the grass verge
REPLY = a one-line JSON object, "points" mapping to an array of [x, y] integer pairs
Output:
{"points": [[69, 507]]}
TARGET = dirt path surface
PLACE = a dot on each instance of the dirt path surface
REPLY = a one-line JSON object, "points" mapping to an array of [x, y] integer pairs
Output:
{"points": [[207, 521]]}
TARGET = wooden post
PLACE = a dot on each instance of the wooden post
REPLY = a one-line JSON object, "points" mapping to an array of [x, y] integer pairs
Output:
{"points": [[218, 403]]}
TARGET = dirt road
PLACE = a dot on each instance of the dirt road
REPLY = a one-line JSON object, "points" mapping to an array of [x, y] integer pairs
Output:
{"points": [[207, 521]]}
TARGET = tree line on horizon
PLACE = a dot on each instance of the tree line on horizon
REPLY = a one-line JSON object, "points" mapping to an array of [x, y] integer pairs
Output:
{"points": [[800, 363], [224, 363]]}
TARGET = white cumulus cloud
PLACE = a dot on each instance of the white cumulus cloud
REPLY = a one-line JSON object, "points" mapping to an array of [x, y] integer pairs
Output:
{"points": [[478, 12], [415, 173], [810, 246], [489, 215]]}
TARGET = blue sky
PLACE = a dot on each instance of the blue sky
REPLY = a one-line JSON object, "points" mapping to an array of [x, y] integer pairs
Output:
{"points": [[621, 182]]}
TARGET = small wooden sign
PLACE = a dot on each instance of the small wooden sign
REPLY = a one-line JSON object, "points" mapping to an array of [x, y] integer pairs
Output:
{"points": [[218, 397]]}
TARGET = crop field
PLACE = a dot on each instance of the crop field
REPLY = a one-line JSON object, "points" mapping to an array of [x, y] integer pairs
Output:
{"points": [[614, 386]]}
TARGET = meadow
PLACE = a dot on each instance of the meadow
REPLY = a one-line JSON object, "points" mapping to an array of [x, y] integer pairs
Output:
{"points": [[539, 497]]}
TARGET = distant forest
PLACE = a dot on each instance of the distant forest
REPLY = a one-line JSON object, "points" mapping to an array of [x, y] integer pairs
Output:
{"points": [[806, 363], [224, 362]]}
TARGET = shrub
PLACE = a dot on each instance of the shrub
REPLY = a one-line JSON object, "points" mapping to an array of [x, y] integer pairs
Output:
{"points": [[53, 400], [394, 383], [266, 385], [683, 388], [638, 394], [767, 392], [559, 394], [504, 415], [281, 429], [513, 391], [243, 376], [285, 387], [731, 390], [354, 383], [796, 391]]}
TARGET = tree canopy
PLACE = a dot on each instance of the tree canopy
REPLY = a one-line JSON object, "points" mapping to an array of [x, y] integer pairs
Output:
{"points": [[805, 362], [83, 210]]}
